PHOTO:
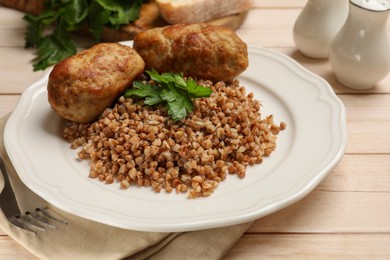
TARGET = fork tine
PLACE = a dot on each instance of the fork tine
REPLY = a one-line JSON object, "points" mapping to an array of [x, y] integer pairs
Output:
{"points": [[34, 221], [31, 222], [37, 221], [44, 212], [21, 223], [40, 220]]}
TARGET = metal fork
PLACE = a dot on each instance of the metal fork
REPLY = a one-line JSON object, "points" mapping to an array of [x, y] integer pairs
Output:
{"points": [[36, 220]]}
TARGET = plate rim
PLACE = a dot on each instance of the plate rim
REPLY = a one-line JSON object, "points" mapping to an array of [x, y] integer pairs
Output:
{"points": [[280, 57]]}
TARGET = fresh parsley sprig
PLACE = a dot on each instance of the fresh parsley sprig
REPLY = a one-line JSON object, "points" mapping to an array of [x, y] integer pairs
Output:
{"points": [[68, 16], [171, 89]]}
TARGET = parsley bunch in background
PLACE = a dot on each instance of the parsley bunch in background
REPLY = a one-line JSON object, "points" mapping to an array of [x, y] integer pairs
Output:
{"points": [[69, 16], [170, 89]]}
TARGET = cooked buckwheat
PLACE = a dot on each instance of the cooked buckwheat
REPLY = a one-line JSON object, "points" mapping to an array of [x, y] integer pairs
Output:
{"points": [[133, 144]]}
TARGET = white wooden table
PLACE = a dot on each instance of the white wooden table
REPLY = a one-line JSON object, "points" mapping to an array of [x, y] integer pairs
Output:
{"points": [[347, 215]]}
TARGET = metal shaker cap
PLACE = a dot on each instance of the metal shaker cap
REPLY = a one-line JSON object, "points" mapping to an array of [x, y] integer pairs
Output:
{"points": [[373, 5]]}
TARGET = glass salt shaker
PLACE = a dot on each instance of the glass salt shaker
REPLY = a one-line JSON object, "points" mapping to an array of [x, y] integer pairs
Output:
{"points": [[317, 25], [360, 52]]}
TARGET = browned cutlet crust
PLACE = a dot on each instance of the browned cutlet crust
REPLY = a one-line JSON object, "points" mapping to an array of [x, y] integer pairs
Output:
{"points": [[82, 86], [201, 51]]}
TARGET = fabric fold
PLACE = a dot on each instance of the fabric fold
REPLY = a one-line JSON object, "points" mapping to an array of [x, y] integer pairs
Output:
{"points": [[85, 239]]}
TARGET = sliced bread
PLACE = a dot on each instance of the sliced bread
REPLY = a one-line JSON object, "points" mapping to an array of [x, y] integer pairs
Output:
{"points": [[196, 11]]}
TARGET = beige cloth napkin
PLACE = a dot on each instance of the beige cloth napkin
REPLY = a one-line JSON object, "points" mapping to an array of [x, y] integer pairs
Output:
{"points": [[85, 239]]}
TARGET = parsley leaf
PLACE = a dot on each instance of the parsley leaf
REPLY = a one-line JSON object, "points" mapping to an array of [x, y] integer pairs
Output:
{"points": [[195, 90], [36, 24], [67, 16], [150, 92], [120, 11], [171, 89], [53, 48], [96, 22]]}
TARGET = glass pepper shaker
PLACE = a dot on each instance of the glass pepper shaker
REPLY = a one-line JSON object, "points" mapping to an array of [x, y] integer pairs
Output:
{"points": [[317, 24], [360, 52]]}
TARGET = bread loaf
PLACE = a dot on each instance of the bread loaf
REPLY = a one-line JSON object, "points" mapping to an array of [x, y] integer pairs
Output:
{"points": [[197, 11]]}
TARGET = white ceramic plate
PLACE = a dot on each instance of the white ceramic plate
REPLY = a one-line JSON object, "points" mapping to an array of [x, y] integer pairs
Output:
{"points": [[311, 146]]}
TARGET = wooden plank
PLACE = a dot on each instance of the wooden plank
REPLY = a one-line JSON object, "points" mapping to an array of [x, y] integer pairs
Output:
{"points": [[7, 103], [359, 173], [375, 107], [10, 250], [345, 217], [322, 68], [269, 27], [279, 4], [346, 201], [368, 123], [10, 18], [12, 27], [17, 73], [311, 246], [330, 211], [12, 38], [368, 136]]}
